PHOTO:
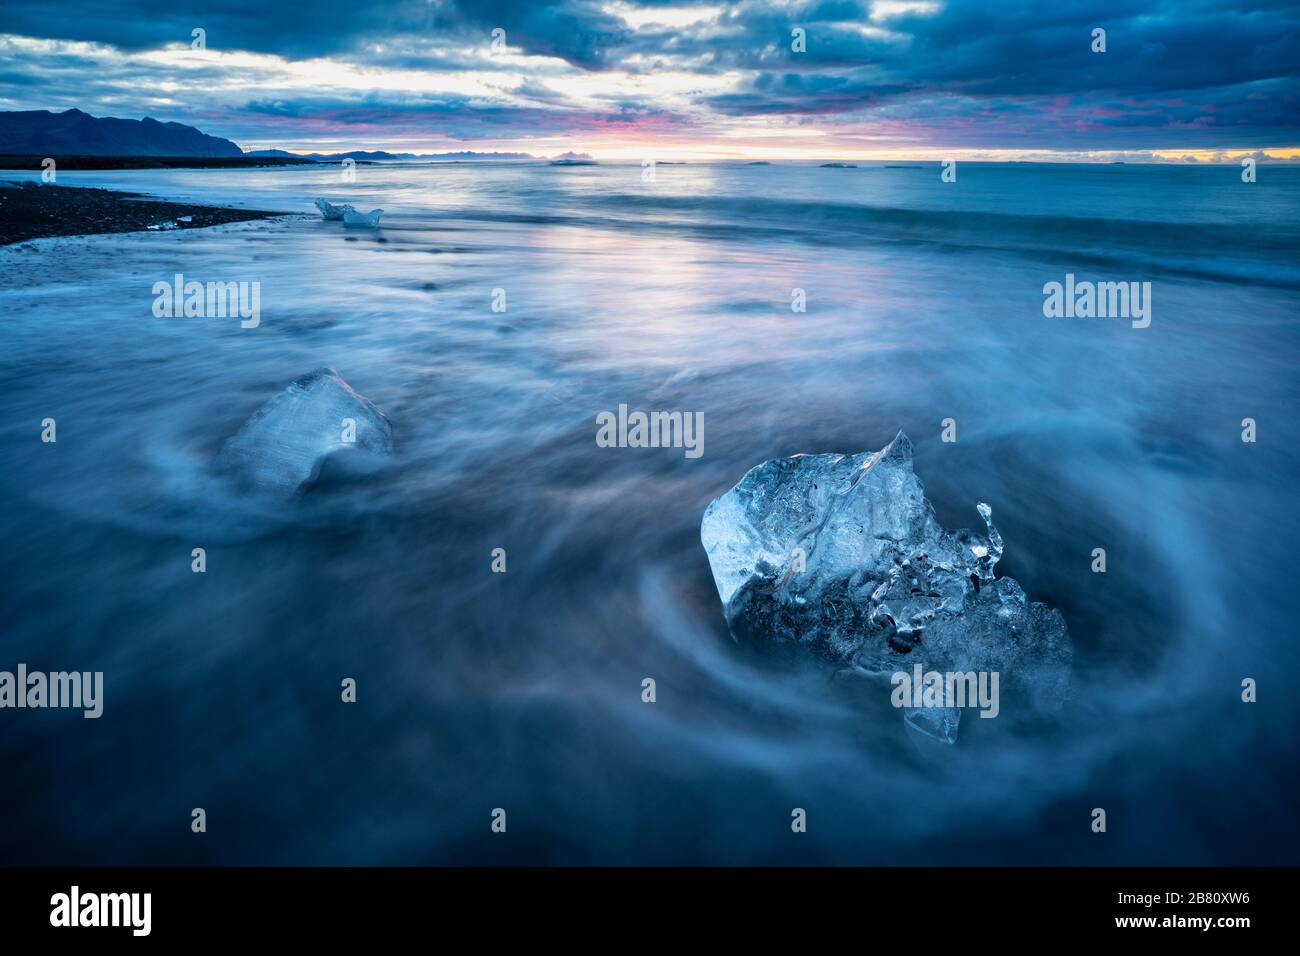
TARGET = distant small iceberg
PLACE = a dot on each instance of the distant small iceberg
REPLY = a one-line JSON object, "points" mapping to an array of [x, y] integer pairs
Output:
{"points": [[759, 162], [839, 165], [573, 159], [330, 211], [361, 220]]}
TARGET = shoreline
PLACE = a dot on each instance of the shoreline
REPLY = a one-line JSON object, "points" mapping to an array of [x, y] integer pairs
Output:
{"points": [[41, 211]]}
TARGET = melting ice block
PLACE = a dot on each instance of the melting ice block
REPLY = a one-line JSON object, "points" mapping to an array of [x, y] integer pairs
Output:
{"points": [[281, 447], [330, 211], [361, 220], [842, 555]]}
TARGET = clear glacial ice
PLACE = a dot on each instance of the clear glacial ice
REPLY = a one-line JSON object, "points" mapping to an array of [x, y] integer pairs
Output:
{"points": [[331, 212], [361, 220], [348, 215], [283, 444], [842, 555]]}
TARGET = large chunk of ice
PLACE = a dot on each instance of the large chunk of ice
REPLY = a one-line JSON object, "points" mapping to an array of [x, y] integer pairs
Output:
{"points": [[281, 447], [843, 555]]}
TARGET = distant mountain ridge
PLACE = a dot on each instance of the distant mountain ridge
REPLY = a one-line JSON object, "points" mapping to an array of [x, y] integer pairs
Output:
{"points": [[74, 133], [77, 133], [381, 155]]}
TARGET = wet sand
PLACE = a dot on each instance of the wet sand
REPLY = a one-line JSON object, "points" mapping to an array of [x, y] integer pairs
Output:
{"points": [[36, 211]]}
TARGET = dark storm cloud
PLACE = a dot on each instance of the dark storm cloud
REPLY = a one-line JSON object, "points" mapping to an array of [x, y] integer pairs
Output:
{"points": [[1044, 49], [319, 28], [575, 31], [1011, 73]]}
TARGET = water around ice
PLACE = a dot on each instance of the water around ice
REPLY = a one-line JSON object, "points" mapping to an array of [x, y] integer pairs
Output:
{"points": [[523, 690]]}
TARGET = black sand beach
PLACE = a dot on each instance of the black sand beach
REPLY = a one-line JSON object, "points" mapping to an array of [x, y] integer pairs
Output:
{"points": [[35, 211]]}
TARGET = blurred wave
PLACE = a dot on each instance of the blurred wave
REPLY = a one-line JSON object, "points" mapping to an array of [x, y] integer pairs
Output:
{"points": [[523, 689]]}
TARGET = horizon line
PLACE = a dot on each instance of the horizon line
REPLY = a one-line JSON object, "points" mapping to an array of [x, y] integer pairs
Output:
{"points": [[928, 155]]}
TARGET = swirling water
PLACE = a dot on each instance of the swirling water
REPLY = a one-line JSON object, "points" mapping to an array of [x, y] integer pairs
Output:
{"points": [[523, 690]]}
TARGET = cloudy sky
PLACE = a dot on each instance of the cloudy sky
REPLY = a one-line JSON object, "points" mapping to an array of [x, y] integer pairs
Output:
{"points": [[620, 79]]}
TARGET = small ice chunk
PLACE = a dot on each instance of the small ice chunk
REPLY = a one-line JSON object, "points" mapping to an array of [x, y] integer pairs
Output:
{"points": [[361, 220], [330, 211], [842, 555], [941, 723], [281, 447]]}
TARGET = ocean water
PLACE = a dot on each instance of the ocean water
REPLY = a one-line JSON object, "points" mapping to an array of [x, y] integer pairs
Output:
{"points": [[522, 690]]}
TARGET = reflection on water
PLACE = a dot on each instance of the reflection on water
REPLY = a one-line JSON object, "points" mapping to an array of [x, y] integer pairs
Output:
{"points": [[479, 690]]}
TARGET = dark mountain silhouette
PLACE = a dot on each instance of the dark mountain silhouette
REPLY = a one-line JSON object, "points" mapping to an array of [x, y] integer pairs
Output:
{"points": [[380, 155], [74, 133]]}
